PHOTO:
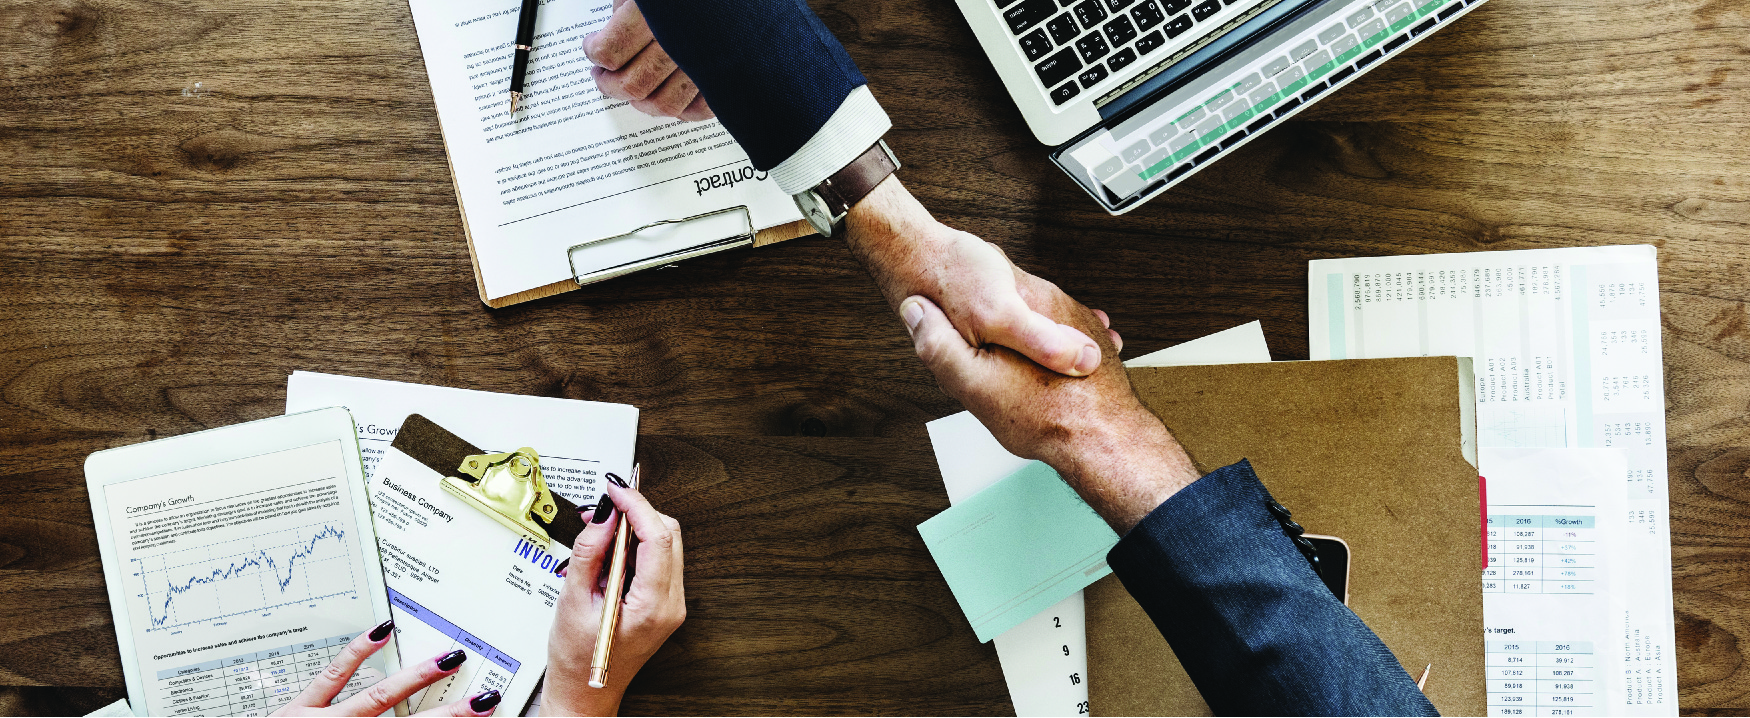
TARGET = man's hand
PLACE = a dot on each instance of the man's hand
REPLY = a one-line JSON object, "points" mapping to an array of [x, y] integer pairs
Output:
{"points": [[984, 294], [1093, 430], [630, 65]]}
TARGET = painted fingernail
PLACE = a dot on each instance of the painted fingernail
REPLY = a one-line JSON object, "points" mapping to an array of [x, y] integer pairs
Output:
{"points": [[560, 569], [450, 660], [1090, 360], [382, 630], [912, 313], [485, 701], [602, 510], [619, 481], [586, 508]]}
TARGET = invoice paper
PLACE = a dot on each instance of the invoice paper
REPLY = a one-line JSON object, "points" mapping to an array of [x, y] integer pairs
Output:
{"points": [[574, 165], [1044, 658], [457, 579], [1555, 523], [1567, 355]]}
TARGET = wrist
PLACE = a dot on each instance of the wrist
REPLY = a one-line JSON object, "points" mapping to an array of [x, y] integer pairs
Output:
{"points": [[1124, 465], [898, 241]]}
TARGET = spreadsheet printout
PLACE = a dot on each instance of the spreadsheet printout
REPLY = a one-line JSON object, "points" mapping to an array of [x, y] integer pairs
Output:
{"points": [[1555, 521], [1567, 352]]}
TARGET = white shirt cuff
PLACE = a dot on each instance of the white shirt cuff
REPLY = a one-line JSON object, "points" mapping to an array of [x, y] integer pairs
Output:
{"points": [[856, 125]]}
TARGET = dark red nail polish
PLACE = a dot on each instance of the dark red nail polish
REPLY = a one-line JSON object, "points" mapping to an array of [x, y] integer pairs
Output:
{"points": [[485, 701], [602, 510], [450, 660], [618, 481], [586, 508], [560, 569], [382, 631]]}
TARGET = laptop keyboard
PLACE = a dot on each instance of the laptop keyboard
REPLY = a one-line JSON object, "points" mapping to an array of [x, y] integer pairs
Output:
{"points": [[1074, 45], [1266, 90]]}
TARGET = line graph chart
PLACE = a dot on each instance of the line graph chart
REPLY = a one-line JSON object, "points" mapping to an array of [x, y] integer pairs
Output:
{"points": [[298, 565]]}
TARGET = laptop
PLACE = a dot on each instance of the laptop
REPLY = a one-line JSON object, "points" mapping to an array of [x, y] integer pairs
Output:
{"points": [[1135, 95]]}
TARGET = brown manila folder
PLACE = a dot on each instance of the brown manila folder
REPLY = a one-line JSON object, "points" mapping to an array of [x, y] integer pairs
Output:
{"points": [[1372, 451]]}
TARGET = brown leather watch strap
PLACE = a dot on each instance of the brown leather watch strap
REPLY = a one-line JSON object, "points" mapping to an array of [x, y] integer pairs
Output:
{"points": [[850, 185]]}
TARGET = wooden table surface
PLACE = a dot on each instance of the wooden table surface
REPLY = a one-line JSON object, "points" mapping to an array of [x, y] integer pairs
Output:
{"points": [[198, 197]]}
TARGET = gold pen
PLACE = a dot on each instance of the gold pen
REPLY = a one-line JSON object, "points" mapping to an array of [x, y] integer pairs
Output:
{"points": [[1423, 681], [604, 640]]}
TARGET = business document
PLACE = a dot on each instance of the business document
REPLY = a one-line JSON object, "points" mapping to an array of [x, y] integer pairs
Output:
{"points": [[1567, 353], [574, 165], [456, 578]]}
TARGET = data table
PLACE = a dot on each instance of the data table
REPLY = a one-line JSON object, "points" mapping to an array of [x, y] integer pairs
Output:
{"points": [[1541, 678], [1541, 554], [257, 683]]}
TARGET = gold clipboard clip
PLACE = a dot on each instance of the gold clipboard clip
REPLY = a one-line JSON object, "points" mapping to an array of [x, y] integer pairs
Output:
{"points": [[509, 489], [744, 238]]}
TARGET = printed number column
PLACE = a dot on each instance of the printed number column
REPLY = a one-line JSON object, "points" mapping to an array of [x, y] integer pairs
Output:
{"points": [[1522, 557], [1512, 686], [1566, 679], [247, 698], [1493, 581], [278, 676], [1569, 554]]}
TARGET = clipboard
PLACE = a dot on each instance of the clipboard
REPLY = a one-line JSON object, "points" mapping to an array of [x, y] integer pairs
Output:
{"points": [[752, 237], [424, 441]]}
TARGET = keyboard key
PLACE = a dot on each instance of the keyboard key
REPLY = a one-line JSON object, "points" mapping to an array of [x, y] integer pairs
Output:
{"points": [[1120, 31], [1063, 29], [1400, 12], [1208, 155], [1062, 94], [1136, 150], [1260, 124], [1289, 76], [1090, 13], [1108, 168], [1127, 183], [1360, 16], [1344, 45], [1209, 126], [1368, 59], [1156, 158], [1035, 45], [1316, 60], [1178, 26], [1449, 12], [1092, 76], [1148, 15], [1174, 6], [1248, 83], [1264, 91], [1121, 59], [1027, 14], [1117, 5], [1206, 10], [1424, 27], [1004, 3], [1302, 50], [1312, 92], [1341, 75], [1236, 109], [1237, 137], [1375, 27], [1057, 68], [1092, 46], [1286, 107], [1396, 42], [1277, 65], [1220, 100], [1163, 133], [1330, 34], [1179, 171], [1150, 42], [1190, 119], [1181, 142]]}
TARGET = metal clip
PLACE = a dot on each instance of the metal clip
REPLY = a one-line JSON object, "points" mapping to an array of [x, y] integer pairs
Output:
{"points": [[509, 489]]}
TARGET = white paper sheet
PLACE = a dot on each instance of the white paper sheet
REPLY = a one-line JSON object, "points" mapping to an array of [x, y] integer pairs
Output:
{"points": [[1556, 520], [573, 166], [1045, 660], [1567, 350], [444, 559]]}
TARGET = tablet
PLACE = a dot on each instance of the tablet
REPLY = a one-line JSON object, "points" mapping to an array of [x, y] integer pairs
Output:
{"points": [[239, 561]]}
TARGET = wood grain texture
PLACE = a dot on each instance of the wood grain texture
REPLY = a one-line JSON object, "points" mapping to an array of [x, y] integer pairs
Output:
{"points": [[169, 252]]}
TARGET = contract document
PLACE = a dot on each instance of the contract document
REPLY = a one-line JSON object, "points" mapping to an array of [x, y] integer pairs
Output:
{"points": [[573, 165], [1567, 354], [456, 578]]}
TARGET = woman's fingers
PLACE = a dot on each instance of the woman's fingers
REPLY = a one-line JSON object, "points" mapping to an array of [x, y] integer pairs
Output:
{"points": [[659, 545], [477, 705], [332, 679], [396, 688]]}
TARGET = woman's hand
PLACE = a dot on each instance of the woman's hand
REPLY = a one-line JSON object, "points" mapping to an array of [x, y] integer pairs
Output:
{"points": [[315, 699], [654, 606]]}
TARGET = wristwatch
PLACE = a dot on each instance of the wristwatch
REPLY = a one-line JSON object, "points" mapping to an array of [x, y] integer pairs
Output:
{"points": [[826, 204]]}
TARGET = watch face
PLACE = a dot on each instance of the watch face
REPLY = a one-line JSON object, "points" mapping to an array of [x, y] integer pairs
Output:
{"points": [[814, 208]]}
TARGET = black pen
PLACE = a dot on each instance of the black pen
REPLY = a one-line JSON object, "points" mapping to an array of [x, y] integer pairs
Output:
{"points": [[525, 41]]}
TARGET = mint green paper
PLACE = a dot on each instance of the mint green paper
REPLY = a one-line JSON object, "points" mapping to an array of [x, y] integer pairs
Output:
{"points": [[1017, 548]]}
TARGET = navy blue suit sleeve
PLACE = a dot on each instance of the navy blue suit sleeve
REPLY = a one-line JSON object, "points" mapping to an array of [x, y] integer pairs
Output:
{"points": [[1253, 625], [769, 68]]}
